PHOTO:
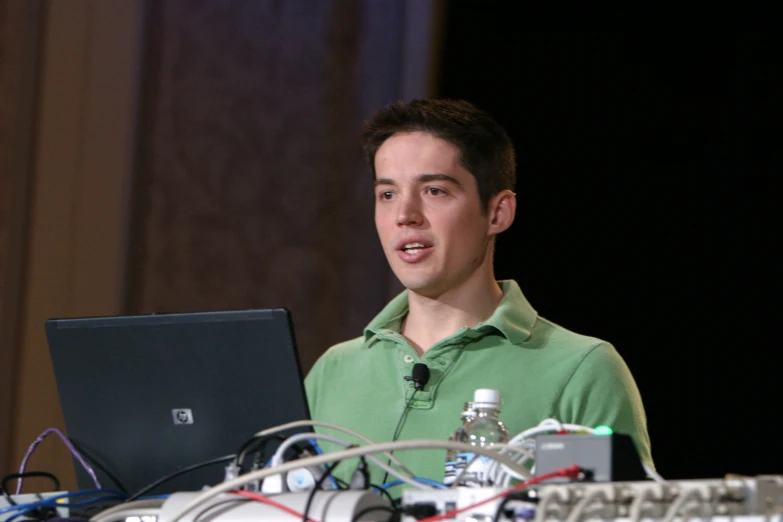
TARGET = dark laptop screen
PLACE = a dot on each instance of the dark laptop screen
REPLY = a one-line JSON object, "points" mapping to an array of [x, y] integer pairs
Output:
{"points": [[149, 395]]}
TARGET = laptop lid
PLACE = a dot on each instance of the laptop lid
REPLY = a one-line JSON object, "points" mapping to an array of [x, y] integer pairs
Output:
{"points": [[148, 395]]}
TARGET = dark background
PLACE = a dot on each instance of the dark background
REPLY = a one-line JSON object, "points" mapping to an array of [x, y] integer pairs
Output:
{"points": [[647, 213]]}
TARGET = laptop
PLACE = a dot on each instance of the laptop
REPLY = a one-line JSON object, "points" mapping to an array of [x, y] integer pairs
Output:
{"points": [[147, 395]]}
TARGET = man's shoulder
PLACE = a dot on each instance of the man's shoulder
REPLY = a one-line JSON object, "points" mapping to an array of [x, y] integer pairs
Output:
{"points": [[551, 336], [345, 348]]}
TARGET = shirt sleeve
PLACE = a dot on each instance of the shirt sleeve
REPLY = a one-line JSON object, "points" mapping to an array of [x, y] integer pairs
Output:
{"points": [[602, 392]]}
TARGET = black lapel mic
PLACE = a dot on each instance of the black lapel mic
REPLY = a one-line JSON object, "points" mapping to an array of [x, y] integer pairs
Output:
{"points": [[420, 375]]}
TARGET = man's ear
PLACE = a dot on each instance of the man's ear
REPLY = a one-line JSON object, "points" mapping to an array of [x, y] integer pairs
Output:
{"points": [[501, 210]]}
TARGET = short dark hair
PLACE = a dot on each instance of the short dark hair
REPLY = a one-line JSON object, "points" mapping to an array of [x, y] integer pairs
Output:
{"points": [[486, 151]]}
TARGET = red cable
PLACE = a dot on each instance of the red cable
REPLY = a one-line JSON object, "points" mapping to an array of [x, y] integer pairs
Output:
{"points": [[571, 472], [267, 500]]}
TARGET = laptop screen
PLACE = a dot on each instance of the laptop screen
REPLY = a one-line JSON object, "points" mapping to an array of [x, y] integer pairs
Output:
{"points": [[152, 394]]}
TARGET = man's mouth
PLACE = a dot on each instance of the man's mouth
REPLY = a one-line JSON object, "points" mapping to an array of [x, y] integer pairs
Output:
{"points": [[412, 248]]}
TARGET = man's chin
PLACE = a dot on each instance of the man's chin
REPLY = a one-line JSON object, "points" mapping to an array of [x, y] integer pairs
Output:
{"points": [[427, 288]]}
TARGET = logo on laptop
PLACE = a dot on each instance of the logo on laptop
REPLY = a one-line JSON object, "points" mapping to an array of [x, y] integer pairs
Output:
{"points": [[182, 416]]}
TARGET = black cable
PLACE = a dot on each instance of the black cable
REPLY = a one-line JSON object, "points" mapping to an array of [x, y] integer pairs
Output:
{"points": [[392, 512], [399, 428], [40, 512], [316, 487], [402, 418], [514, 495], [218, 504], [95, 462], [26, 474], [255, 444], [383, 492], [146, 489]]}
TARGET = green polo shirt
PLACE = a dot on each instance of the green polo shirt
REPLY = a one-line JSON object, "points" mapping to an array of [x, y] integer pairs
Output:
{"points": [[541, 370]]}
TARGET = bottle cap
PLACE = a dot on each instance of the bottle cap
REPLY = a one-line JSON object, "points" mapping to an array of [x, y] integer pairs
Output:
{"points": [[486, 398]]}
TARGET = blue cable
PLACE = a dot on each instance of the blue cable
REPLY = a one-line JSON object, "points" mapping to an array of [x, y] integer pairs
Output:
{"points": [[417, 479], [319, 451], [52, 501]]}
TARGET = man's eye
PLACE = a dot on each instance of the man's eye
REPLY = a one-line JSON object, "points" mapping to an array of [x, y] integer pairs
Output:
{"points": [[386, 195], [435, 191]]}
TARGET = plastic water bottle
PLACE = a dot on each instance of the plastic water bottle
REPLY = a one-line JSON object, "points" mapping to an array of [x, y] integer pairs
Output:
{"points": [[454, 466], [485, 430]]}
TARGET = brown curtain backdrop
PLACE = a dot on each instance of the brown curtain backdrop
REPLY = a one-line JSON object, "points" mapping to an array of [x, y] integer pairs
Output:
{"points": [[188, 155], [19, 32], [252, 191]]}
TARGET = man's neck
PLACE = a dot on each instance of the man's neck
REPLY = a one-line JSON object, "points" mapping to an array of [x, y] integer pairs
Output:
{"points": [[431, 320]]}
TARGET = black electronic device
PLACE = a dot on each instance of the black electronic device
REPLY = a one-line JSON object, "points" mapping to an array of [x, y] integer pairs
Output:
{"points": [[604, 458], [149, 395]]}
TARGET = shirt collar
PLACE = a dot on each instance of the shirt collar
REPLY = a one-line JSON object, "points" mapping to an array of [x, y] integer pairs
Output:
{"points": [[514, 317]]}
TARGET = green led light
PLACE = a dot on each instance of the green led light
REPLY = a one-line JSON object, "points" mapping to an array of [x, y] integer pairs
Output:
{"points": [[602, 430]]}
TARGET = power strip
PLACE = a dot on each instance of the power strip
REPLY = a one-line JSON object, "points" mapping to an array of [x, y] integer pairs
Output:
{"points": [[28, 498]]}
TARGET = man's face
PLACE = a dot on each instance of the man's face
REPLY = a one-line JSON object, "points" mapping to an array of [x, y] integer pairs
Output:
{"points": [[428, 214]]}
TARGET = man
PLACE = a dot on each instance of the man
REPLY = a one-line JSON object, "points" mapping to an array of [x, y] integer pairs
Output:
{"points": [[444, 179]]}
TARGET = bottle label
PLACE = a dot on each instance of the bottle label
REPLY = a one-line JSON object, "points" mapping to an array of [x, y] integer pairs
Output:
{"points": [[474, 475]]}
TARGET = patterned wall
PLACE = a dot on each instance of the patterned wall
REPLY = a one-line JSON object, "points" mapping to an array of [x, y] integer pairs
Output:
{"points": [[252, 190]]}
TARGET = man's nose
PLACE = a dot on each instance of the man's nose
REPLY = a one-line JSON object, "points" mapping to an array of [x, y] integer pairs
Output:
{"points": [[409, 211]]}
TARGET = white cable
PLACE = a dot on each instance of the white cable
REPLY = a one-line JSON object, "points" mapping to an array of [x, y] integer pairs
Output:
{"points": [[548, 425], [360, 451], [648, 492], [543, 504], [685, 496], [502, 476], [122, 515], [580, 507], [277, 458], [653, 474], [147, 503], [297, 424]]}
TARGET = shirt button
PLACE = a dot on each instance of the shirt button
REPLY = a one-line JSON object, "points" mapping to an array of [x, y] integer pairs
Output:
{"points": [[408, 358]]}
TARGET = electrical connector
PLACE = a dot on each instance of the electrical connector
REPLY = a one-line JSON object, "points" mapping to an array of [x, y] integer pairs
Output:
{"points": [[232, 471], [273, 485], [421, 510], [361, 477]]}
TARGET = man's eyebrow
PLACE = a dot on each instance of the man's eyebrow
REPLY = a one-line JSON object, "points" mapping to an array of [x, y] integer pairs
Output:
{"points": [[422, 178]]}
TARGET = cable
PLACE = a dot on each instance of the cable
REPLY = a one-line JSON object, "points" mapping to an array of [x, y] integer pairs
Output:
{"points": [[22, 475], [399, 426], [219, 503], [316, 487], [277, 457], [70, 447], [146, 489], [675, 506], [433, 483], [543, 504], [54, 500], [516, 495], [647, 493], [584, 502], [122, 515], [105, 515], [572, 472], [297, 424], [267, 500], [255, 443], [382, 447], [653, 474], [95, 462], [370, 509]]}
